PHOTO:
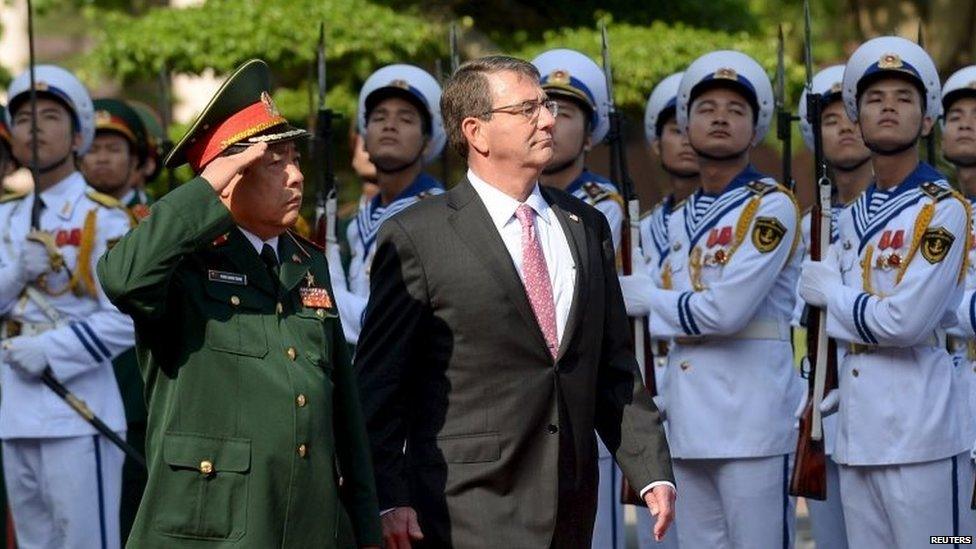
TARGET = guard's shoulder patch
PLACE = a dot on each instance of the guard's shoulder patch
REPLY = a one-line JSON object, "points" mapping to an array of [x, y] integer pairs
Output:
{"points": [[761, 187], [935, 191], [935, 244], [13, 195], [767, 233], [103, 199], [303, 242]]}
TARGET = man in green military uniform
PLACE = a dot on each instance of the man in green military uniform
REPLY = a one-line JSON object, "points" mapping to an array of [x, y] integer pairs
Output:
{"points": [[119, 152], [253, 407]]}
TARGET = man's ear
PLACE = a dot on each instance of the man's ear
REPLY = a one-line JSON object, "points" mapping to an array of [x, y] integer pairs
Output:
{"points": [[656, 147], [927, 124], [474, 133]]}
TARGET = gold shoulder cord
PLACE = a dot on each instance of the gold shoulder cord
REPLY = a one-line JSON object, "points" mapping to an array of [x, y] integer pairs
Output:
{"points": [[667, 280], [799, 219], [82, 282], [694, 269], [921, 223], [969, 234], [866, 269]]}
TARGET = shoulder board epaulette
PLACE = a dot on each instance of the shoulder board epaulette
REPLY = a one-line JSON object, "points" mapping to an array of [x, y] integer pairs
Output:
{"points": [[103, 199], [760, 187], [597, 193], [935, 191], [424, 194], [302, 242], [13, 195]]}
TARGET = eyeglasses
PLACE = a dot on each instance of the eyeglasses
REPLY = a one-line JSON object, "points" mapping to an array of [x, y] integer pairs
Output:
{"points": [[528, 109]]}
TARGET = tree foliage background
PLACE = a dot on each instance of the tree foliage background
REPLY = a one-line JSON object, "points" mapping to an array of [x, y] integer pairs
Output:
{"points": [[129, 42]]}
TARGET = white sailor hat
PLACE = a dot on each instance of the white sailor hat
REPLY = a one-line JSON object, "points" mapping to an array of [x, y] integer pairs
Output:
{"points": [[733, 69], [412, 84], [663, 98], [891, 55], [56, 82], [570, 73], [829, 84], [961, 84]]}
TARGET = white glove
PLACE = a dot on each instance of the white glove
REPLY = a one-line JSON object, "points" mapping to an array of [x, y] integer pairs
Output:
{"points": [[830, 403], [818, 280], [26, 355], [34, 261], [636, 288], [336, 274], [659, 402]]}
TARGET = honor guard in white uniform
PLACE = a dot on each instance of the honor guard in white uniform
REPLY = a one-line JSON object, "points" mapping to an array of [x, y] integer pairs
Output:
{"points": [[903, 419], [400, 121], [678, 160], [63, 479], [849, 161], [578, 85], [959, 148], [731, 385]]}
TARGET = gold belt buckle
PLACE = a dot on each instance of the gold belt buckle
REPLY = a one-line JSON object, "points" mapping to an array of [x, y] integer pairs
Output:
{"points": [[859, 348], [689, 340], [662, 349], [971, 350]]}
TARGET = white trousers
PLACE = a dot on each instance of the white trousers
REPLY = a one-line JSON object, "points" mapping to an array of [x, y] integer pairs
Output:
{"points": [[64, 493], [735, 503], [901, 506], [827, 517], [609, 531]]}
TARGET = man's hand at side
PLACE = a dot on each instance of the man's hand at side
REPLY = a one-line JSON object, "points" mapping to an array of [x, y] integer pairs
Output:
{"points": [[400, 528], [660, 503]]}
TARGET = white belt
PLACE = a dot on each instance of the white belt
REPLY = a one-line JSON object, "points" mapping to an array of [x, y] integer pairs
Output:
{"points": [[772, 330], [935, 339]]}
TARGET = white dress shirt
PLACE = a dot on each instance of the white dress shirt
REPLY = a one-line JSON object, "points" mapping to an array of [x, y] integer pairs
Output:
{"points": [[258, 244], [555, 245]]}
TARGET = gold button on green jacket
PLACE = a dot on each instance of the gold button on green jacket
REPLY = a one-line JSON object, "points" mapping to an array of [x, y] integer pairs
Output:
{"points": [[253, 407]]}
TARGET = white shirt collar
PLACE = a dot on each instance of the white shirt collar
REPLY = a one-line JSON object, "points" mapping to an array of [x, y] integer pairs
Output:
{"points": [[501, 207], [258, 244]]}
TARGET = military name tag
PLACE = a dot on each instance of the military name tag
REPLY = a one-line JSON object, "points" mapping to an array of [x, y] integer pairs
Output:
{"points": [[316, 298], [936, 243], [227, 278]]}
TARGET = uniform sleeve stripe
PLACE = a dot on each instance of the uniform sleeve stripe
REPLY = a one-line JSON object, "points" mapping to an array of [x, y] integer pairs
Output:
{"points": [[857, 320], [972, 311], [684, 306], [860, 315], [84, 342], [681, 314], [98, 342]]}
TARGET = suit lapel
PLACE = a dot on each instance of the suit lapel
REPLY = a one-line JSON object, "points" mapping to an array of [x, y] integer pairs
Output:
{"points": [[475, 227], [576, 235]]}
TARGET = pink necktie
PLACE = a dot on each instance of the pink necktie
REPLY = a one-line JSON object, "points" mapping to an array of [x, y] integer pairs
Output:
{"points": [[535, 275]]}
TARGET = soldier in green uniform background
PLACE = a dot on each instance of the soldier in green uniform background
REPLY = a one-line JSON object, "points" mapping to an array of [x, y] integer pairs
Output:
{"points": [[253, 407], [116, 158]]}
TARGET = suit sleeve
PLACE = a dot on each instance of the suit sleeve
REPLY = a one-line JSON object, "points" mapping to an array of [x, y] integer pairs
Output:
{"points": [[395, 317], [93, 341], [352, 446], [726, 306], [912, 312], [626, 418], [136, 274]]}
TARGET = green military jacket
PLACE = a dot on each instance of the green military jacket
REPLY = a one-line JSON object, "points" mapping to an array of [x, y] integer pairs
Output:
{"points": [[253, 405]]}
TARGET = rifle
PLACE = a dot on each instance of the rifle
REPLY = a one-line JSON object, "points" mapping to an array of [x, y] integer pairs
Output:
{"points": [[629, 240], [165, 115], [930, 138], [809, 478], [326, 199], [47, 377], [784, 118]]}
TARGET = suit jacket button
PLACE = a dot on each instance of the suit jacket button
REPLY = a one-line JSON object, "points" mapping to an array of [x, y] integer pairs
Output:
{"points": [[291, 353], [206, 467], [552, 429], [302, 450]]}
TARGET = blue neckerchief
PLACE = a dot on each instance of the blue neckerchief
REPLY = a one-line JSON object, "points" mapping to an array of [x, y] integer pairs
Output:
{"points": [[373, 214], [584, 177], [659, 228], [907, 193], [734, 194]]}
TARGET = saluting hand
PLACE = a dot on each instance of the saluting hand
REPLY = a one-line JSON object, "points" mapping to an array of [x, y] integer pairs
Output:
{"points": [[222, 171], [400, 527], [660, 502]]}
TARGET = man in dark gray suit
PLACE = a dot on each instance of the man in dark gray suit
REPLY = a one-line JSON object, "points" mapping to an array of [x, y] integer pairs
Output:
{"points": [[495, 341]]}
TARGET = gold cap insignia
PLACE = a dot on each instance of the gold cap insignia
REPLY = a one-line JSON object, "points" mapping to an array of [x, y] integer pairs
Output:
{"points": [[559, 76], [400, 83], [727, 74], [836, 88], [890, 61], [103, 117], [40, 85], [269, 104], [972, 85]]}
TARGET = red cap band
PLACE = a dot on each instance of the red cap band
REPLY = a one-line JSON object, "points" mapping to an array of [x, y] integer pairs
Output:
{"points": [[247, 122]]}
